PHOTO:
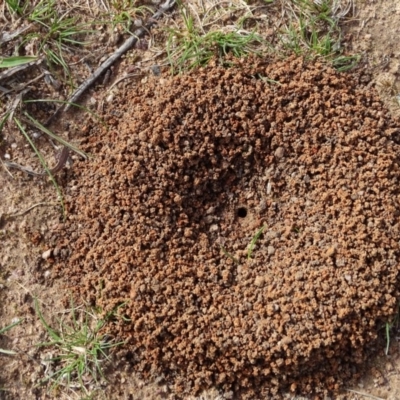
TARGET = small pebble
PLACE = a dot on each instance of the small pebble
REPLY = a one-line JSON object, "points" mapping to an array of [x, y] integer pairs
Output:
{"points": [[330, 252], [143, 136], [46, 254], [271, 250], [259, 281], [213, 228], [279, 153], [155, 69]]}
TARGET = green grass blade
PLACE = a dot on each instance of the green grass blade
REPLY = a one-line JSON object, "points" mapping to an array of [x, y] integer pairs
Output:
{"points": [[9, 62], [345, 63], [4, 120], [60, 140], [230, 255], [8, 327], [50, 330], [8, 352], [5, 329], [44, 164], [93, 114], [254, 240]]}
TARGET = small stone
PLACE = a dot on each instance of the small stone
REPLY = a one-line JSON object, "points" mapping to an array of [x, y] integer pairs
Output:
{"points": [[262, 206], [279, 153], [271, 250], [177, 199], [143, 136], [287, 231], [269, 187], [213, 228], [188, 232], [389, 367], [259, 281], [299, 276], [330, 252], [155, 69], [46, 254]]}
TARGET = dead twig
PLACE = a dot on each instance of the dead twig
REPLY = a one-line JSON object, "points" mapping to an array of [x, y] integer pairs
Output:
{"points": [[6, 37], [129, 43]]}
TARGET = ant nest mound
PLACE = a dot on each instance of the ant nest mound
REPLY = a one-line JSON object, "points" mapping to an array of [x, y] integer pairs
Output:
{"points": [[247, 218]]}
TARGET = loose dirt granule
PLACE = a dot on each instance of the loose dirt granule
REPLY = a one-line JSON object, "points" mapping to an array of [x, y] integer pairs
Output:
{"points": [[189, 170]]}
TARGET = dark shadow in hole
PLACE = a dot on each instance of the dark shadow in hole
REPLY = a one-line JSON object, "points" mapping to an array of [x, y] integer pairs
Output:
{"points": [[241, 212]]}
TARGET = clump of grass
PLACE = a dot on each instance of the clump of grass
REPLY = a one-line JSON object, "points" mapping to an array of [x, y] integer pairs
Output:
{"points": [[312, 29], [123, 13], [80, 347], [194, 46], [53, 32], [58, 31]]}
